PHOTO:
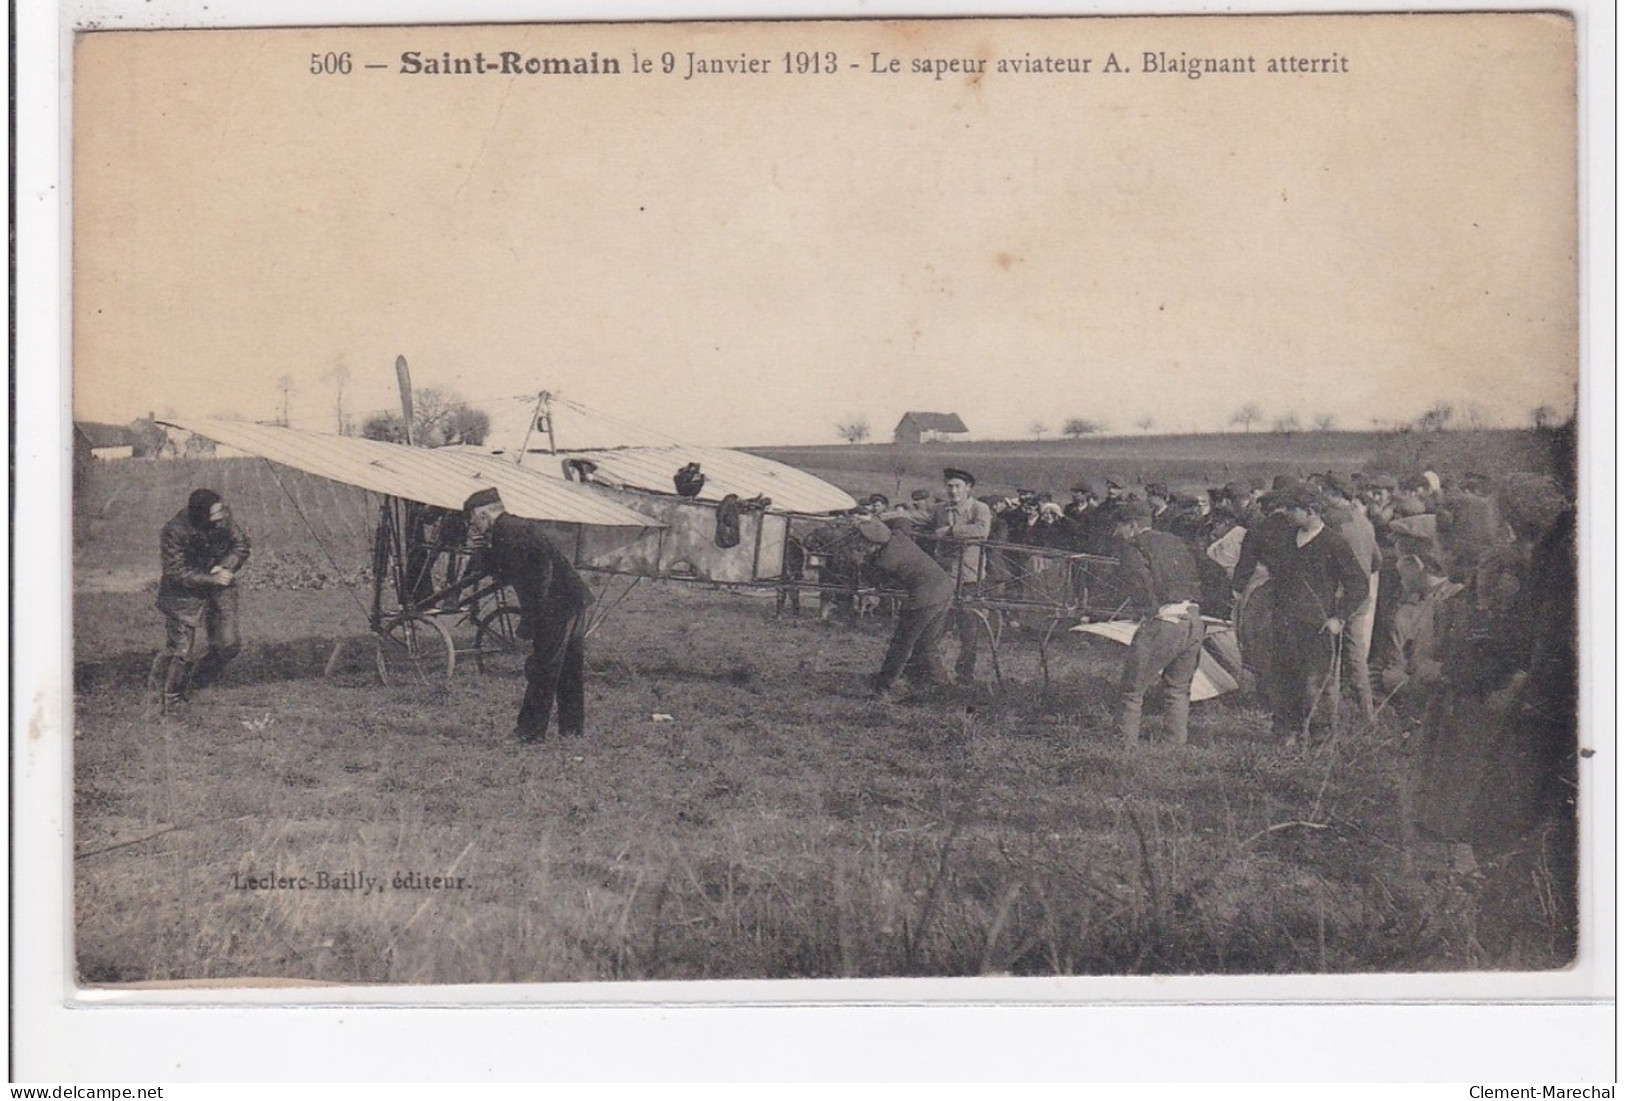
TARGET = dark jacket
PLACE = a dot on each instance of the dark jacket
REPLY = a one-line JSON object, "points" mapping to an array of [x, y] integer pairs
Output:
{"points": [[926, 583], [1269, 541], [188, 554], [1319, 580], [520, 554], [1097, 531], [1158, 568]]}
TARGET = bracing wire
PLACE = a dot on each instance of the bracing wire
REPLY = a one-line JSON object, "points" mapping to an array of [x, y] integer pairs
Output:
{"points": [[654, 435], [310, 527]]}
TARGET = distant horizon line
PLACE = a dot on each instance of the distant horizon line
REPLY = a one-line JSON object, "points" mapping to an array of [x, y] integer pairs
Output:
{"points": [[959, 439]]}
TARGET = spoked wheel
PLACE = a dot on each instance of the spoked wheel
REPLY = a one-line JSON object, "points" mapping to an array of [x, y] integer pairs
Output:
{"points": [[498, 649], [415, 649]]}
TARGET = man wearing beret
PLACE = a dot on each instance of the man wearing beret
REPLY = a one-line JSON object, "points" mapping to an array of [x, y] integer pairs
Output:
{"points": [[1158, 571], [961, 524], [929, 593], [553, 601]]}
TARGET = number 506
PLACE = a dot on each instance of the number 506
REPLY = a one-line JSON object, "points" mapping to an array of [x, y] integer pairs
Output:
{"points": [[330, 63]]}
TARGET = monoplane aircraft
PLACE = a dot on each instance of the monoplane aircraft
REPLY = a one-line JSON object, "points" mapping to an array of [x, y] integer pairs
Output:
{"points": [[623, 512]]}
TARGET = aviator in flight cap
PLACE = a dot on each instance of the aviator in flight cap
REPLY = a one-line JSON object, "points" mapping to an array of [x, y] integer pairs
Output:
{"points": [[482, 497]]}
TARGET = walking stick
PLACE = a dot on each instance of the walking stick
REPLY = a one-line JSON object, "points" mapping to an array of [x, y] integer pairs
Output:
{"points": [[1334, 674]]}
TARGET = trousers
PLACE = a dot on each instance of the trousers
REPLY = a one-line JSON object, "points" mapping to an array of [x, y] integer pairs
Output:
{"points": [[914, 647], [201, 644], [1165, 651], [555, 671], [968, 626], [1300, 673], [1357, 635]]}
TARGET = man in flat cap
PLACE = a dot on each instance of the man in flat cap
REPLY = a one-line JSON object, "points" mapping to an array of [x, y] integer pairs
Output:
{"points": [[1377, 493], [1469, 525], [1160, 498], [929, 593], [960, 524], [1084, 497], [1158, 573], [1096, 528], [201, 551], [1318, 586], [553, 601], [912, 517]]}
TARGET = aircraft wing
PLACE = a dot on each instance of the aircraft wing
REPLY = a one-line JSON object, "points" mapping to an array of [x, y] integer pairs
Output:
{"points": [[1211, 679], [434, 477], [726, 471]]}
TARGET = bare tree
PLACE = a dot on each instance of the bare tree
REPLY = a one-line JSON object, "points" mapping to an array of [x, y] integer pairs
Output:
{"points": [[464, 424], [1286, 422], [1038, 429], [1325, 422], [1247, 415], [855, 430], [1437, 418], [1472, 417], [387, 427], [340, 377], [1077, 427], [284, 385], [439, 417]]}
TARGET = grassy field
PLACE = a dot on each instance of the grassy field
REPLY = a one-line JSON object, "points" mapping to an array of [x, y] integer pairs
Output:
{"points": [[739, 808]]}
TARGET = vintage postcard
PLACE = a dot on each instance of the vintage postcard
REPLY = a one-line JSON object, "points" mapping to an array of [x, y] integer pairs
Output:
{"points": [[1017, 506]]}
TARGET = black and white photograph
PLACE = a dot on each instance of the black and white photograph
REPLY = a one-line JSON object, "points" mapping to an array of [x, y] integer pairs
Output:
{"points": [[570, 506], [829, 500]]}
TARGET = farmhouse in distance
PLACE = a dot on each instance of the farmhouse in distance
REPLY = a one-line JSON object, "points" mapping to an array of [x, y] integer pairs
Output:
{"points": [[915, 428]]}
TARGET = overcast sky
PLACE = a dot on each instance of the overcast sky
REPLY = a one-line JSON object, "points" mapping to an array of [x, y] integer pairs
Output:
{"points": [[749, 259]]}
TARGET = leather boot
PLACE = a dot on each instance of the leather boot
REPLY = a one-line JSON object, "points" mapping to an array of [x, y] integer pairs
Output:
{"points": [[1179, 715], [177, 679]]}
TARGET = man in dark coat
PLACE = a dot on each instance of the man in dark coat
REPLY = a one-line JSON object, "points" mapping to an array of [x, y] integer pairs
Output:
{"points": [[1318, 585], [201, 549], [1267, 539], [1097, 532], [929, 593], [553, 601], [1159, 576]]}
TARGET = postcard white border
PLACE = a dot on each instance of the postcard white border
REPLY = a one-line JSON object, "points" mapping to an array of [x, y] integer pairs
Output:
{"points": [[1555, 1027]]}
